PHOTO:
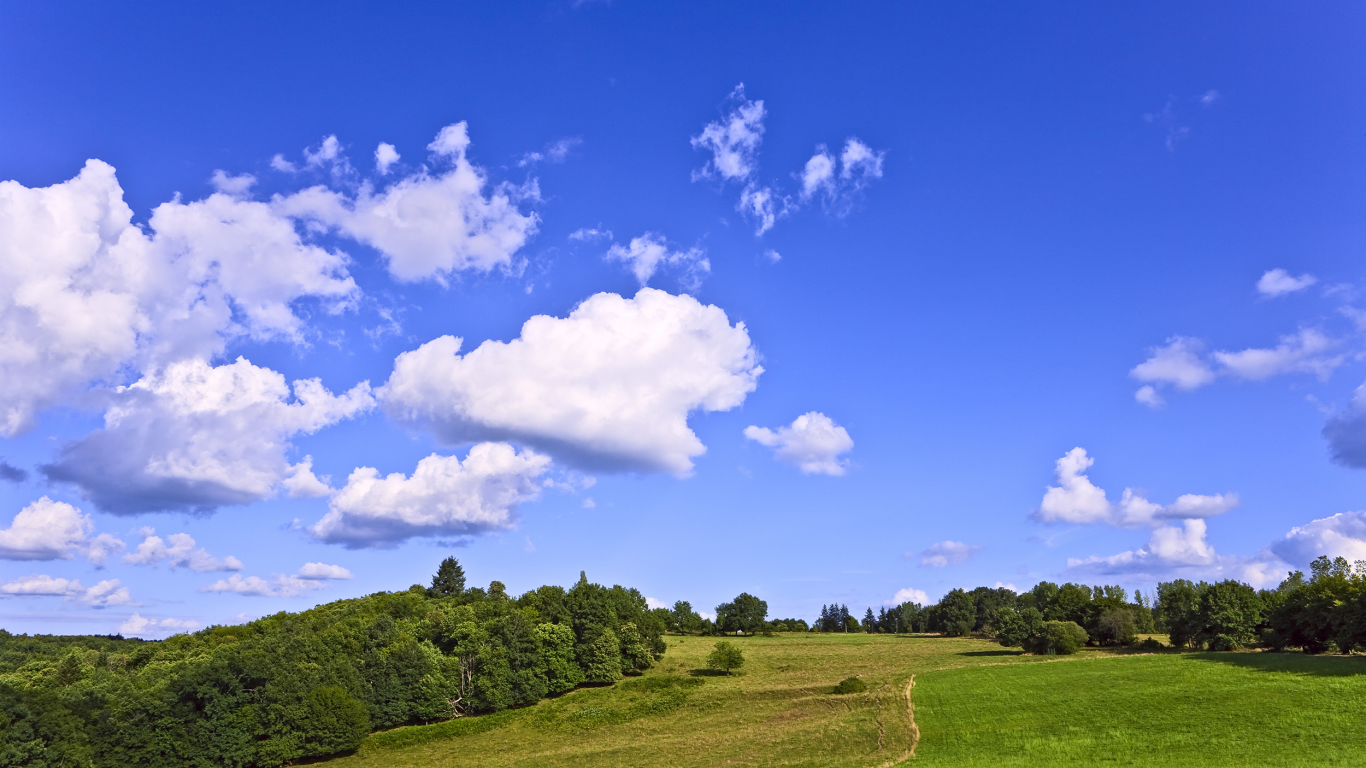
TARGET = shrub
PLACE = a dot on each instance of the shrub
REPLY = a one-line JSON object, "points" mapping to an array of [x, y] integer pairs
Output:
{"points": [[1059, 637], [726, 657], [851, 685]]}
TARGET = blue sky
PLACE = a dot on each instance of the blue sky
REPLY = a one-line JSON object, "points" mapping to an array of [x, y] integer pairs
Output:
{"points": [[902, 262]]}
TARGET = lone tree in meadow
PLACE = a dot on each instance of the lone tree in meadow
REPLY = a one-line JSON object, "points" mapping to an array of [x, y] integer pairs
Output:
{"points": [[449, 580], [726, 657]]}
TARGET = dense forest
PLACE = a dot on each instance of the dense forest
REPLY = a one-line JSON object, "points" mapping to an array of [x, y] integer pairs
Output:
{"points": [[300, 685]]}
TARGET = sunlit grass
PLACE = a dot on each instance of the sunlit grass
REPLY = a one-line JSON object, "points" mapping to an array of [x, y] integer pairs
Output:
{"points": [[1216, 709]]}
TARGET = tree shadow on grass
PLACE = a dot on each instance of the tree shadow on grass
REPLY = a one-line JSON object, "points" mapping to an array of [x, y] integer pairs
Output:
{"points": [[1291, 663], [990, 653], [708, 672]]}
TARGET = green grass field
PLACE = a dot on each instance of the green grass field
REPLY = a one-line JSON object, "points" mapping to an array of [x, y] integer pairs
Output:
{"points": [[973, 704]]}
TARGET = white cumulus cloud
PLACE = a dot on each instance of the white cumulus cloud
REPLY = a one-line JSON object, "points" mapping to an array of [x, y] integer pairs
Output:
{"points": [[301, 483], [610, 387], [105, 593], [1182, 362], [733, 140], [55, 530], [1278, 282], [194, 437], [554, 152], [84, 292], [40, 584], [428, 226], [947, 553], [385, 157], [1341, 535], [1178, 363], [646, 254], [1149, 396], [763, 205], [813, 442], [444, 497], [280, 586], [1075, 499], [323, 571], [178, 551], [839, 182], [859, 164], [909, 595], [1182, 551], [819, 173], [1170, 546], [138, 625], [1307, 351]]}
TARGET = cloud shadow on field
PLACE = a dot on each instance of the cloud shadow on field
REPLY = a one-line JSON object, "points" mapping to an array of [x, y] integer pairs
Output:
{"points": [[991, 653], [1290, 662]]}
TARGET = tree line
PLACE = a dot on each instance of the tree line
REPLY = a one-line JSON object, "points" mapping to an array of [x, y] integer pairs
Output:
{"points": [[1324, 612], [294, 686]]}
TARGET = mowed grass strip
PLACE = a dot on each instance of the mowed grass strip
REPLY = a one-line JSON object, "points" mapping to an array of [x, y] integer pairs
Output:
{"points": [[1209, 709]]}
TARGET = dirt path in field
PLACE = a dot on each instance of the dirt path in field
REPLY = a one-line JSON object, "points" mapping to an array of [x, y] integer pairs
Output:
{"points": [[911, 727]]}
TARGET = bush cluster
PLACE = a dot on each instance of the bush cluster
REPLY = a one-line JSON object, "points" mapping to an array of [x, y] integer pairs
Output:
{"points": [[299, 685], [1326, 612], [851, 685]]}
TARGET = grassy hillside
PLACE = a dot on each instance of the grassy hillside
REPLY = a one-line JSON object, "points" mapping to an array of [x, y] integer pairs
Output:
{"points": [[974, 704]]}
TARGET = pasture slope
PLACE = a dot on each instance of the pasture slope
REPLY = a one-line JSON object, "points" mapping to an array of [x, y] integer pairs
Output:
{"points": [[972, 703]]}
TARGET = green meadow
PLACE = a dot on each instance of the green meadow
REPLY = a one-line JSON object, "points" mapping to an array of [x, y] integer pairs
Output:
{"points": [[948, 701]]}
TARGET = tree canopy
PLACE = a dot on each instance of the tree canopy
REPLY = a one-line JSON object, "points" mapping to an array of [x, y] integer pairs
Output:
{"points": [[295, 686], [746, 613]]}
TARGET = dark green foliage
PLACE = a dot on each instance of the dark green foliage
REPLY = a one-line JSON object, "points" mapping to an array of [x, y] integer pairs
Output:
{"points": [[1058, 637], [1116, 627], [1327, 611], [836, 618], [914, 618], [957, 614], [851, 685], [292, 687], [684, 619], [725, 657], [601, 659], [986, 602], [1017, 629], [335, 722], [1150, 644], [449, 580], [746, 614], [1223, 616]]}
